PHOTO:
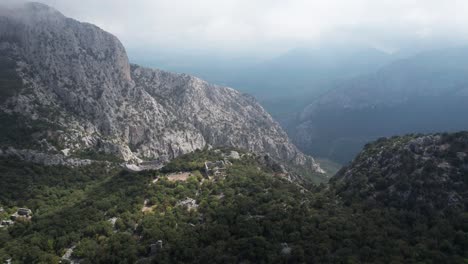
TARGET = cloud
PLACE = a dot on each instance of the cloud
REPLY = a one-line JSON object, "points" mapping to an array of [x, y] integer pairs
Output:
{"points": [[269, 25]]}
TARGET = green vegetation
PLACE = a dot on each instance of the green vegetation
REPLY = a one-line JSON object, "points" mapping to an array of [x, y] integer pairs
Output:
{"points": [[22, 132], [426, 173], [249, 216], [96, 155], [192, 162], [68, 204]]}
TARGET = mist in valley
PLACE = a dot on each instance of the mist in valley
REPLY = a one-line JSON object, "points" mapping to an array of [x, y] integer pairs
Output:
{"points": [[233, 131]]}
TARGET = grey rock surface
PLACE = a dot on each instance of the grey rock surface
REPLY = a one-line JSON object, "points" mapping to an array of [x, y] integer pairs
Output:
{"points": [[38, 157], [76, 76]]}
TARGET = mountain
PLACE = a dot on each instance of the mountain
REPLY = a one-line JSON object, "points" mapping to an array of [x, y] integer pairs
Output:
{"points": [[424, 93], [285, 83], [402, 200], [308, 70], [68, 88], [302, 70], [73, 109], [424, 173]]}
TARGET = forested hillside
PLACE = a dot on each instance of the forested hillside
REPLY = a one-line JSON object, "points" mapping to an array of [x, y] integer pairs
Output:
{"points": [[249, 213]]}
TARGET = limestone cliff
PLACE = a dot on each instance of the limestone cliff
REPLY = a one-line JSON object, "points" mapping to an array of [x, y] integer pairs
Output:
{"points": [[75, 79]]}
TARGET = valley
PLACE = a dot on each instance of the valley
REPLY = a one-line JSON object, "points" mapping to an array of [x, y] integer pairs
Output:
{"points": [[332, 100], [361, 157], [251, 215]]}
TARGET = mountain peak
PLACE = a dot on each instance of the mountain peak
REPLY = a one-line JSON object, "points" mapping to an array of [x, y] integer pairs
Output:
{"points": [[31, 11], [39, 7], [78, 78]]}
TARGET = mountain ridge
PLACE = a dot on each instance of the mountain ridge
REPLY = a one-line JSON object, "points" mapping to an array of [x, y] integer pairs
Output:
{"points": [[402, 200], [423, 93], [413, 172], [78, 77]]}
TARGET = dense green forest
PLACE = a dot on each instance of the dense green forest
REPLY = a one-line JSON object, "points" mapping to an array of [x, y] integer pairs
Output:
{"points": [[249, 215]]}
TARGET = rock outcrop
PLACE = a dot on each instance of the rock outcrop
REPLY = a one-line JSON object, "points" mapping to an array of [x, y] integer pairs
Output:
{"points": [[77, 78], [38, 157]]}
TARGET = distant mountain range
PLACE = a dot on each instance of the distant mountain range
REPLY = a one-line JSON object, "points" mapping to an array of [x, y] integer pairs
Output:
{"points": [[297, 72], [333, 99], [427, 92], [103, 161], [285, 84], [304, 71]]}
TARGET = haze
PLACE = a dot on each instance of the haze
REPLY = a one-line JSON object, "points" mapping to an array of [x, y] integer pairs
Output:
{"points": [[271, 27]]}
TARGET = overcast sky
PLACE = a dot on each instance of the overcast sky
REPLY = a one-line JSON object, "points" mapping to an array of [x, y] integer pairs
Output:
{"points": [[271, 25]]}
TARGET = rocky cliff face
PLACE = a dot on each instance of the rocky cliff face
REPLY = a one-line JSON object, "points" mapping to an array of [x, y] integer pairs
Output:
{"points": [[76, 79]]}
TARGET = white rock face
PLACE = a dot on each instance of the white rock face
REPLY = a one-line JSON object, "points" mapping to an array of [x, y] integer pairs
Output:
{"points": [[234, 155], [189, 203], [81, 76]]}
